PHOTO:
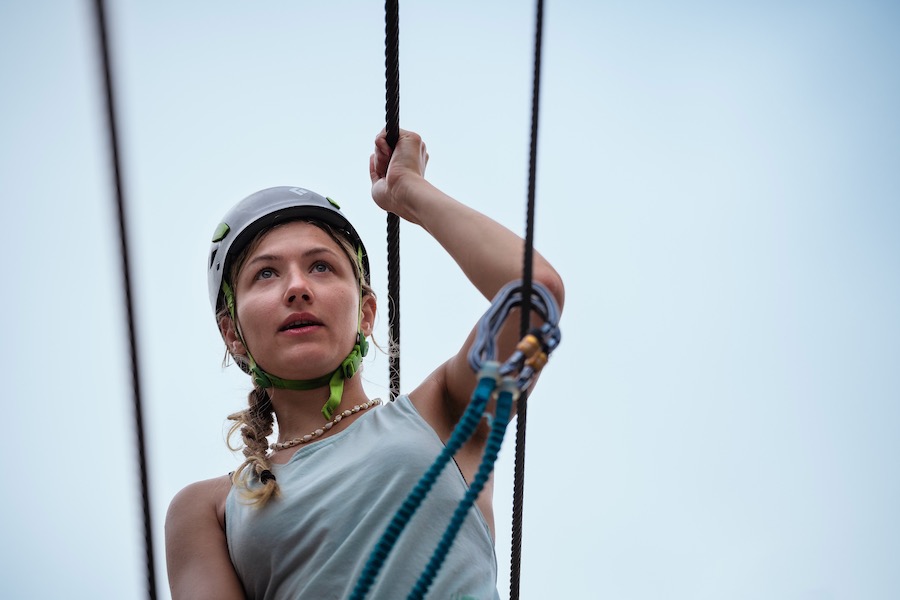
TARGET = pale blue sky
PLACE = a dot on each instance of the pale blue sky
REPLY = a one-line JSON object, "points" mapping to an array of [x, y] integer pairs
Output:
{"points": [[718, 185]]}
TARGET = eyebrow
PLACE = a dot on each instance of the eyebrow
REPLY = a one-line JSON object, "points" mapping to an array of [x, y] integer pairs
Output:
{"points": [[314, 251]]}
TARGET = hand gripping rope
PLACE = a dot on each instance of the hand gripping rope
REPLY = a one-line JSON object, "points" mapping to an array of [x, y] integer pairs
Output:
{"points": [[511, 378]]}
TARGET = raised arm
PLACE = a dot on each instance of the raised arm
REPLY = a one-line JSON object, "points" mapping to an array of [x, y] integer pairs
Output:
{"points": [[489, 254], [197, 557]]}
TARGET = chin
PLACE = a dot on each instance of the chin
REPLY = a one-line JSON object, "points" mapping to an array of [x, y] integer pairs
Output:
{"points": [[308, 370]]}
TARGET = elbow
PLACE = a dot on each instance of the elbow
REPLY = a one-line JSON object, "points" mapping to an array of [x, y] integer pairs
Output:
{"points": [[550, 279]]}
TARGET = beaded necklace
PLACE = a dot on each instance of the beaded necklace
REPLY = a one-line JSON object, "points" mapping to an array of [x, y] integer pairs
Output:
{"points": [[321, 430]]}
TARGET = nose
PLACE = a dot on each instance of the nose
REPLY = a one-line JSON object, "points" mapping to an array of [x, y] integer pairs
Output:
{"points": [[297, 287]]}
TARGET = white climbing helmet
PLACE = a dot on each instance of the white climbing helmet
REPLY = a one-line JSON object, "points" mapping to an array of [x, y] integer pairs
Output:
{"points": [[261, 211]]}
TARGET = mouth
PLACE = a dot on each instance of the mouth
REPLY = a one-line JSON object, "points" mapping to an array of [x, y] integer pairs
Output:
{"points": [[296, 323]]}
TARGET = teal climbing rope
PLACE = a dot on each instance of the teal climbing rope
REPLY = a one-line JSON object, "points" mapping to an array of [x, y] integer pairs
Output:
{"points": [[512, 377]]}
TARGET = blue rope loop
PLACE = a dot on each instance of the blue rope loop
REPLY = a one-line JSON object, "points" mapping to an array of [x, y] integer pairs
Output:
{"points": [[512, 378]]}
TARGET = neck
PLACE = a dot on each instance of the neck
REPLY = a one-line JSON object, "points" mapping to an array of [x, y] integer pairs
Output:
{"points": [[300, 411]]}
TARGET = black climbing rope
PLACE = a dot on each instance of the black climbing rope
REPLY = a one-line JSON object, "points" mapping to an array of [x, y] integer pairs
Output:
{"points": [[392, 127], [522, 408], [392, 118], [103, 47]]}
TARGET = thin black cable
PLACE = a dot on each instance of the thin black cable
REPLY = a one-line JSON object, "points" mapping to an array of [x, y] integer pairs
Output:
{"points": [[126, 276], [392, 127], [522, 408]]}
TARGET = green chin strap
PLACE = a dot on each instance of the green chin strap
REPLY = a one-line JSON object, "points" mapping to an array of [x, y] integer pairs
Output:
{"points": [[334, 380]]}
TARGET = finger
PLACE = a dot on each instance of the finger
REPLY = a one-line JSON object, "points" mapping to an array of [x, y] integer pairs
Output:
{"points": [[382, 147], [373, 174], [411, 135]]}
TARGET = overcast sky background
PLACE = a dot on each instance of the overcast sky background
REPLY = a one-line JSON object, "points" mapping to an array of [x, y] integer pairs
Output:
{"points": [[718, 185]]}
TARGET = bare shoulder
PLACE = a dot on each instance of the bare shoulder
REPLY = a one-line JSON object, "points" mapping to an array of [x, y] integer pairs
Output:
{"points": [[199, 499], [197, 556]]}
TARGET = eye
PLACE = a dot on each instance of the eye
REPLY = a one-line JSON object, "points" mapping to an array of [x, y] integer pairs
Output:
{"points": [[265, 273], [321, 267]]}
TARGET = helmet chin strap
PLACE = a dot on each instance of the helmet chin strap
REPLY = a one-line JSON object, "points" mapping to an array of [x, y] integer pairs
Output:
{"points": [[335, 380]]}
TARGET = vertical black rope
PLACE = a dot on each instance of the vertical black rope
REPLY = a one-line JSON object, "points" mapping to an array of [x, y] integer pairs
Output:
{"points": [[522, 409], [126, 275], [392, 127]]}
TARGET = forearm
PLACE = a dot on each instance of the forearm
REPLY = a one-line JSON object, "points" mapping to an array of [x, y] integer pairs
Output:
{"points": [[489, 254]]}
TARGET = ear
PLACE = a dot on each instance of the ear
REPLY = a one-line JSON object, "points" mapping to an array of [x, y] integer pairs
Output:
{"points": [[229, 333], [368, 308]]}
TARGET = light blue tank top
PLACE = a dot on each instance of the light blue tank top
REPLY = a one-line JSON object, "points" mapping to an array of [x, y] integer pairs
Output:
{"points": [[337, 497]]}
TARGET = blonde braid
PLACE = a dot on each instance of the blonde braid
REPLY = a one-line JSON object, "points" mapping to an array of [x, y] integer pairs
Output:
{"points": [[256, 423]]}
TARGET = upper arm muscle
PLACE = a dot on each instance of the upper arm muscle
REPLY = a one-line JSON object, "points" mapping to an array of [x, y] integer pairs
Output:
{"points": [[197, 557]]}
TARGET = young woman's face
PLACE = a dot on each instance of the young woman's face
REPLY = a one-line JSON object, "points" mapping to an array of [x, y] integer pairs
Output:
{"points": [[298, 302]]}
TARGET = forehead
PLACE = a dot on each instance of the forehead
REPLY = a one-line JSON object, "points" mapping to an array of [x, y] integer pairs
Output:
{"points": [[292, 237]]}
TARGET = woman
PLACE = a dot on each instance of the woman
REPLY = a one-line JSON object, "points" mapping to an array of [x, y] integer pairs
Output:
{"points": [[298, 519]]}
